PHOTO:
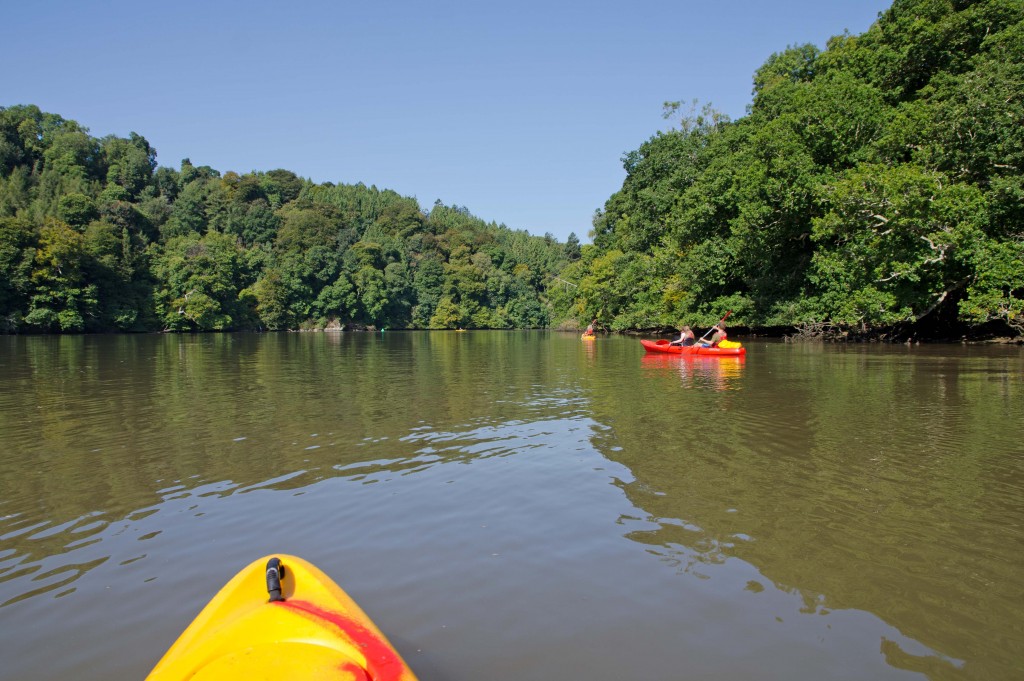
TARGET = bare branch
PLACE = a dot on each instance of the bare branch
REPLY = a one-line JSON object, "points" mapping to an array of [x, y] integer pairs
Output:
{"points": [[942, 297]]}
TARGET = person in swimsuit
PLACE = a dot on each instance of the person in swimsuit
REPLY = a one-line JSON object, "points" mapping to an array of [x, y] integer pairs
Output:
{"points": [[685, 337]]}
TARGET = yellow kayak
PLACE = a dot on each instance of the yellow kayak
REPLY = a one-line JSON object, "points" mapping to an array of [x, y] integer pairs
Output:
{"points": [[588, 336], [281, 618]]}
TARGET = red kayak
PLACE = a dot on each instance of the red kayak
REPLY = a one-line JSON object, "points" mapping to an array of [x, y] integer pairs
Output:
{"points": [[664, 346]]}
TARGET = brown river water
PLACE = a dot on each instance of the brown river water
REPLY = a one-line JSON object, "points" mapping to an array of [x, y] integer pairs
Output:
{"points": [[522, 505]]}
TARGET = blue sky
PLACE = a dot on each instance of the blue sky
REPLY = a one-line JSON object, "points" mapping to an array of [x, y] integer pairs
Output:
{"points": [[519, 111]]}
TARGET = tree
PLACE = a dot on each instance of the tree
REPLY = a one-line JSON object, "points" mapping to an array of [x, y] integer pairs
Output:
{"points": [[130, 162], [62, 298], [281, 186], [77, 210], [188, 213], [428, 280], [271, 295], [572, 247], [600, 296], [71, 152], [796, 64], [17, 252], [996, 292], [118, 266], [372, 292], [338, 300], [446, 315], [199, 282], [895, 243], [15, 192]]}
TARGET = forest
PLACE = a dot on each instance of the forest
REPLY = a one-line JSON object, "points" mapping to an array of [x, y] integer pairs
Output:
{"points": [[874, 185], [95, 237]]}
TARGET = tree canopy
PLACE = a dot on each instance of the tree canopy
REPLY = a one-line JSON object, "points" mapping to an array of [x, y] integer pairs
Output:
{"points": [[94, 236], [874, 183]]}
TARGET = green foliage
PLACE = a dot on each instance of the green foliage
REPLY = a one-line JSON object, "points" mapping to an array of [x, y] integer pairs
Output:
{"points": [[200, 281], [447, 315], [900, 238], [15, 192], [874, 183], [72, 153], [271, 295], [62, 297], [601, 294], [17, 251], [796, 64], [657, 173], [77, 210], [572, 247], [337, 300], [95, 237], [130, 163], [997, 292]]}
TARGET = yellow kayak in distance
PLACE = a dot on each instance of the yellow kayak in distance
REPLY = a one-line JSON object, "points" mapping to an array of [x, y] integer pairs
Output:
{"points": [[586, 337], [281, 618]]}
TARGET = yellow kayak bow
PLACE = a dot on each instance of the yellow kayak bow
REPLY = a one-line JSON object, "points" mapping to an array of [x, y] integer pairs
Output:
{"points": [[281, 618]]}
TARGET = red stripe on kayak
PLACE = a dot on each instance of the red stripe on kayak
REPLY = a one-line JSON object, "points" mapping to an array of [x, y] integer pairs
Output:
{"points": [[351, 669], [382, 661]]}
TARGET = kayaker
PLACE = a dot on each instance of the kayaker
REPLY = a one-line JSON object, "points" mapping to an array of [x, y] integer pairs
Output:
{"points": [[590, 329], [685, 337], [718, 337]]}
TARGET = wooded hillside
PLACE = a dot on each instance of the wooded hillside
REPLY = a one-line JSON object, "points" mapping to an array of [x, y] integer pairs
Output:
{"points": [[874, 184], [94, 236]]}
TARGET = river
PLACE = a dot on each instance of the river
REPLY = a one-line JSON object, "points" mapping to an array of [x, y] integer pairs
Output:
{"points": [[522, 505]]}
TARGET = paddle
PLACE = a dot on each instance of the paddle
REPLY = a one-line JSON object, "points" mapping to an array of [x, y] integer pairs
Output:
{"points": [[702, 338]]}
